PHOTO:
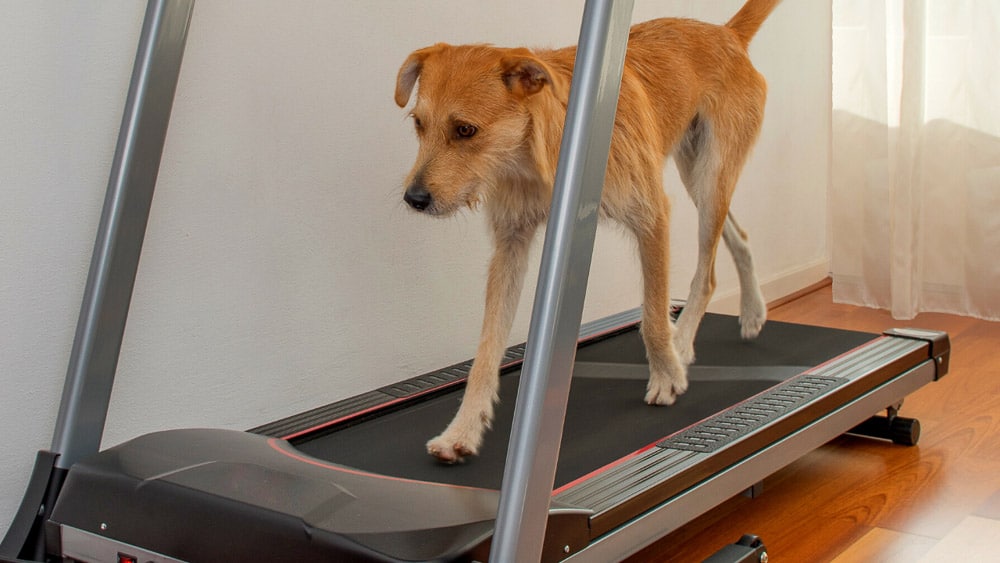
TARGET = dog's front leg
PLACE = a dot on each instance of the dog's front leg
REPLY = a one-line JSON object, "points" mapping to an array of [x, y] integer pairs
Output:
{"points": [[667, 374], [503, 289]]}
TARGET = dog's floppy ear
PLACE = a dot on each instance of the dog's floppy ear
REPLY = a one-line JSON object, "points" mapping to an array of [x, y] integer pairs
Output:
{"points": [[524, 74], [409, 72]]}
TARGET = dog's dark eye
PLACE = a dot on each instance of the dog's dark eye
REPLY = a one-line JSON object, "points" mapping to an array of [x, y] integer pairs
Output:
{"points": [[417, 124], [465, 131]]}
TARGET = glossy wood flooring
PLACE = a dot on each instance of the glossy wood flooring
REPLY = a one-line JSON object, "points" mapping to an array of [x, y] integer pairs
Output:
{"points": [[856, 499]]}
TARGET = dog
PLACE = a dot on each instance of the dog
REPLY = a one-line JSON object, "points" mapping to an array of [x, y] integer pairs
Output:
{"points": [[489, 122]]}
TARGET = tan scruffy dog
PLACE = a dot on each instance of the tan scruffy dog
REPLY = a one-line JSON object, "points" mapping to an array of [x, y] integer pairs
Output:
{"points": [[489, 122]]}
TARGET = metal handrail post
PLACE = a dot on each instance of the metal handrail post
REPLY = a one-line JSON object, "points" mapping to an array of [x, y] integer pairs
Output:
{"points": [[115, 261], [562, 283]]}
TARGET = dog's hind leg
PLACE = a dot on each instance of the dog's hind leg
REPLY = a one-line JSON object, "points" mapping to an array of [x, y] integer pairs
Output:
{"points": [[667, 374], [753, 310], [464, 434], [709, 166]]}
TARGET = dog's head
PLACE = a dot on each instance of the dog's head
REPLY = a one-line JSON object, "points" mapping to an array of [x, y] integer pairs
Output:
{"points": [[473, 120]]}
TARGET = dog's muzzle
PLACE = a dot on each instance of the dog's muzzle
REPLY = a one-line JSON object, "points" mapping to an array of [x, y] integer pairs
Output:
{"points": [[417, 197]]}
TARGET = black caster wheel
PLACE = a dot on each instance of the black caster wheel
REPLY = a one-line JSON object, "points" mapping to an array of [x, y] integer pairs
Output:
{"points": [[904, 431], [899, 429]]}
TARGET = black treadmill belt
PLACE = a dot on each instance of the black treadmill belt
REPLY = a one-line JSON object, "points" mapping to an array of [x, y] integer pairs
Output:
{"points": [[606, 418]]}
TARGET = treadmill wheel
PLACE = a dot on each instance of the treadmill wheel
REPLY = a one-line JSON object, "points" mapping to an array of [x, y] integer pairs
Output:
{"points": [[901, 430], [904, 431]]}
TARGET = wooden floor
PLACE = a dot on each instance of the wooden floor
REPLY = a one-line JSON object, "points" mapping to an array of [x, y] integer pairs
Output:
{"points": [[856, 499]]}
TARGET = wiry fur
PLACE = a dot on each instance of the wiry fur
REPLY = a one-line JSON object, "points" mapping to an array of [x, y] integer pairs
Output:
{"points": [[490, 121]]}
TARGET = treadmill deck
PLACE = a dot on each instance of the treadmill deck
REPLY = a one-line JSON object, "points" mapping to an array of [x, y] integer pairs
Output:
{"points": [[606, 417]]}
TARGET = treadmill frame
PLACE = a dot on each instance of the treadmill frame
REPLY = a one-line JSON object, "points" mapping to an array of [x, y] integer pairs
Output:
{"points": [[229, 477], [555, 321]]}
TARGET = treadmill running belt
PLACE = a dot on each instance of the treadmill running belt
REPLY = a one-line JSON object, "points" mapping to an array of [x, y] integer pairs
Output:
{"points": [[606, 417]]}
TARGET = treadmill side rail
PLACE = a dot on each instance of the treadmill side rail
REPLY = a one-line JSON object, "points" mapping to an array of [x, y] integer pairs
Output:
{"points": [[667, 516]]}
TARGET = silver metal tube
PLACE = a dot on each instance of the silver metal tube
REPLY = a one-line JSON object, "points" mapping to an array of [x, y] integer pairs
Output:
{"points": [[101, 325], [562, 283]]}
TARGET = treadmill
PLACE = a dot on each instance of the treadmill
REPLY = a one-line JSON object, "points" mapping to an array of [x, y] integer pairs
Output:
{"points": [[575, 468]]}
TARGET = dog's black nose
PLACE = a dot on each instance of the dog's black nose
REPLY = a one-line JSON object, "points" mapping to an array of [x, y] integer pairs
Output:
{"points": [[418, 197]]}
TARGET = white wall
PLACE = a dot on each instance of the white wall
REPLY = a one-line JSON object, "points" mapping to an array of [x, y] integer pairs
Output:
{"points": [[281, 270]]}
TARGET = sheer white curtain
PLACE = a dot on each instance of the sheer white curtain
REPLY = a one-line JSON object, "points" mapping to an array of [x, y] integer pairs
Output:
{"points": [[915, 176]]}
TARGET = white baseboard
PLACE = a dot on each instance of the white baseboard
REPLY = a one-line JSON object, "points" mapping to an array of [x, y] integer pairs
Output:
{"points": [[774, 288]]}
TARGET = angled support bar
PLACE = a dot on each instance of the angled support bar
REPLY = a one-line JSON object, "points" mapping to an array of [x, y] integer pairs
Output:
{"points": [[101, 325], [562, 283]]}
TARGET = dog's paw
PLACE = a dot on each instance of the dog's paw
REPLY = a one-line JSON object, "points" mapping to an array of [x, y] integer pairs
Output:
{"points": [[447, 452], [453, 447], [665, 386], [751, 325], [664, 392], [753, 315], [753, 312]]}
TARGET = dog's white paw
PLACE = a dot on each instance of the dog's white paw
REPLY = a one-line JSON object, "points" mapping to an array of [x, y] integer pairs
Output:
{"points": [[753, 315], [751, 324], [662, 391], [665, 385], [453, 445], [449, 451]]}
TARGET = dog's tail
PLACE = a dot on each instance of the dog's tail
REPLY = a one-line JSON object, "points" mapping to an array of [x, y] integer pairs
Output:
{"points": [[748, 20]]}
